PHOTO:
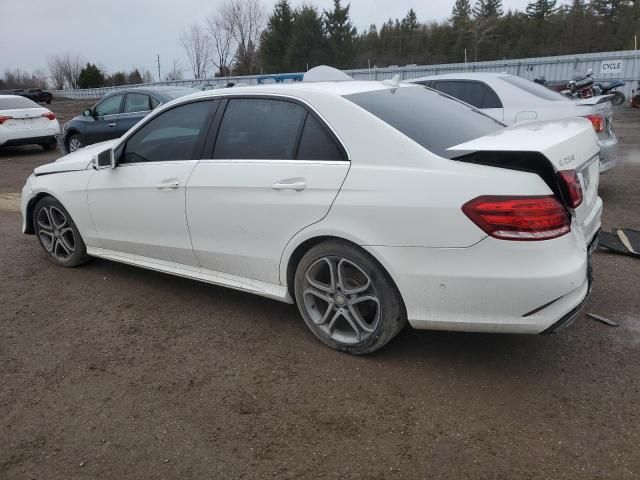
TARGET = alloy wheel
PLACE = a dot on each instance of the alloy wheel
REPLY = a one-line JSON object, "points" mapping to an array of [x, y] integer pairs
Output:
{"points": [[55, 232], [74, 144]]}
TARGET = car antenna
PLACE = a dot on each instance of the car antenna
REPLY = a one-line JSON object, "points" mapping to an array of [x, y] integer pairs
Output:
{"points": [[394, 82]]}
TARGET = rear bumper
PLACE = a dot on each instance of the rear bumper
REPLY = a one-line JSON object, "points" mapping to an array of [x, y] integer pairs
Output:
{"points": [[493, 286], [30, 141], [30, 136], [608, 153]]}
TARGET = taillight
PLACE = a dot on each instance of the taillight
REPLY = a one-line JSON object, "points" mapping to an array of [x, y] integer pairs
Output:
{"points": [[49, 115], [571, 185], [519, 217], [597, 121], [4, 118]]}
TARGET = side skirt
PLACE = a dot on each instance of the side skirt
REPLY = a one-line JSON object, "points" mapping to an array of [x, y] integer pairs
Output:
{"points": [[264, 289]]}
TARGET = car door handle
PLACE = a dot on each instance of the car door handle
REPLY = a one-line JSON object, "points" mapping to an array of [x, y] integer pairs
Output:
{"points": [[168, 185], [112, 124], [296, 185]]}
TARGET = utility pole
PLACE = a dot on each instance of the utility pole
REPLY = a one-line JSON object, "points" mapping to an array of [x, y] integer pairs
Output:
{"points": [[158, 59]]}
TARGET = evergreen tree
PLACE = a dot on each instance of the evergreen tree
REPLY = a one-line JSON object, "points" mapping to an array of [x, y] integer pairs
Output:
{"points": [[488, 9], [410, 21], [276, 38], [541, 9], [341, 34], [91, 77], [308, 46], [461, 13]]}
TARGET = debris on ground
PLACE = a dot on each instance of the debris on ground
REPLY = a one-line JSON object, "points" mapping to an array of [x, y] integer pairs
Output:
{"points": [[621, 240], [602, 319]]}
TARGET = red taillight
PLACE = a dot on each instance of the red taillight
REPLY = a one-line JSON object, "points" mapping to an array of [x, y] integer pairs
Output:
{"points": [[4, 118], [572, 187], [49, 115], [597, 121], [519, 218]]}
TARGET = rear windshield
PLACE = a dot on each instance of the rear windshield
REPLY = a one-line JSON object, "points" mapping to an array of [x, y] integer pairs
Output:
{"points": [[11, 103], [430, 118], [535, 89]]}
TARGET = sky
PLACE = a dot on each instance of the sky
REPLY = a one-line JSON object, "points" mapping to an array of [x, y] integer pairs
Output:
{"points": [[127, 34]]}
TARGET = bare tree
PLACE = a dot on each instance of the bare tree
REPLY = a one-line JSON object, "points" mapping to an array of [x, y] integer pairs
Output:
{"points": [[147, 77], [196, 44], [222, 42], [175, 73], [245, 19], [56, 71], [69, 68]]}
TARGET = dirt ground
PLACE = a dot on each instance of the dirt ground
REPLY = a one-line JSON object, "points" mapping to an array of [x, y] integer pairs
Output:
{"points": [[108, 371]]}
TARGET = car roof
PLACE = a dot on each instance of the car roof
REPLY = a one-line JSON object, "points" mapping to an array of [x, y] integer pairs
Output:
{"points": [[341, 88], [164, 91], [462, 76]]}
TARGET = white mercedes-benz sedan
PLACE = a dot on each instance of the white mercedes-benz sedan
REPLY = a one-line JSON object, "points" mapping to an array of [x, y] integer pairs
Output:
{"points": [[24, 122], [366, 204]]}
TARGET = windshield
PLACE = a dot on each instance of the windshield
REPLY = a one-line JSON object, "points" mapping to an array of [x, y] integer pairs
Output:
{"points": [[430, 118], [535, 89], [11, 103]]}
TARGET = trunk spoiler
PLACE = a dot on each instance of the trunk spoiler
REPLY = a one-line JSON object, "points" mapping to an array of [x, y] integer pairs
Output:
{"points": [[594, 100]]}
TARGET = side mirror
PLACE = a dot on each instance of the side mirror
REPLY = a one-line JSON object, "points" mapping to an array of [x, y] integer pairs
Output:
{"points": [[87, 113], [104, 159]]}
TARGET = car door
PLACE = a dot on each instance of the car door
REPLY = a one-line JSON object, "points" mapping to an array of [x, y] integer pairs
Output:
{"points": [[138, 207], [274, 169], [102, 125], [136, 107], [475, 93]]}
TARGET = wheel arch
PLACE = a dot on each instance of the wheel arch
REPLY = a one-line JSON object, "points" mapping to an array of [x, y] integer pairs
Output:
{"points": [[293, 260], [31, 205]]}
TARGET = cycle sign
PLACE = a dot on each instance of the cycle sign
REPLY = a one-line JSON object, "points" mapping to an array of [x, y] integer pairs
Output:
{"points": [[612, 66]]}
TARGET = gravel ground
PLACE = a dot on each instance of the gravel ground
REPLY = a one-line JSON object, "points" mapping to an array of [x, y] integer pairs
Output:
{"points": [[112, 372]]}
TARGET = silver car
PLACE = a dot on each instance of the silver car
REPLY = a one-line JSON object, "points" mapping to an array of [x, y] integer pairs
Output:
{"points": [[513, 99]]}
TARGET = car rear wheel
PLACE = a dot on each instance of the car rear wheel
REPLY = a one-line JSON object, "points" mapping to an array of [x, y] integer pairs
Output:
{"points": [[347, 299], [57, 234], [49, 146], [74, 143]]}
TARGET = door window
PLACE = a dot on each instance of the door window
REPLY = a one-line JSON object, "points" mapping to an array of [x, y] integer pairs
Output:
{"points": [[175, 134], [255, 128], [137, 102], [316, 143], [109, 106]]}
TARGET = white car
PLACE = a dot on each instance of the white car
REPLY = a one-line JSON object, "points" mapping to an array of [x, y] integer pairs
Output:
{"points": [[511, 99], [24, 122], [366, 204]]}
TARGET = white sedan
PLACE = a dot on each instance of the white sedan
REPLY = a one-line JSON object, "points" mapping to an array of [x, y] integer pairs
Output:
{"points": [[367, 204], [511, 99], [24, 122]]}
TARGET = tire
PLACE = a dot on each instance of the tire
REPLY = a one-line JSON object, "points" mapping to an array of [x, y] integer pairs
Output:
{"points": [[49, 146], [359, 316], [618, 98], [57, 234], [74, 143]]}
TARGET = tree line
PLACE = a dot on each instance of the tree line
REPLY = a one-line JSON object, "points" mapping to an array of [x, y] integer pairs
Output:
{"points": [[241, 37]]}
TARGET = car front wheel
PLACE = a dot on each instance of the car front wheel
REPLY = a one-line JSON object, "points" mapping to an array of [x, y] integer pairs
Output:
{"points": [[57, 234], [74, 143], [347, 299]]}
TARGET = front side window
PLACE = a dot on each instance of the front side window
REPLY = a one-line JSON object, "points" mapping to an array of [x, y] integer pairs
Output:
{"points": [[137, 102], [109, 106], [429, 118], [261, 129], [173, 135]]}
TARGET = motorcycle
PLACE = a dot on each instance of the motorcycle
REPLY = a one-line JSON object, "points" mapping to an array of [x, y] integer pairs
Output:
{"points": [[609, 88], [580, 87], [635, 97]]}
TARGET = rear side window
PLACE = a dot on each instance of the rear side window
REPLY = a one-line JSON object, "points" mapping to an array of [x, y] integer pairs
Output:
{"points": [[261, 129], [136, 102], [429, 118], [11, 103], [316, 143], [173, 135], [477, 94]]}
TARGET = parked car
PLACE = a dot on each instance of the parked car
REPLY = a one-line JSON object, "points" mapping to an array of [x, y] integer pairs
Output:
{"points": [[116, 113], [511, 99], [365, 203], [24, 122], [36, 94]]}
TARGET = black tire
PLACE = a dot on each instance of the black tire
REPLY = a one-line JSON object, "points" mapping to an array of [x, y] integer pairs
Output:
{"points": [[49, 146], [389, 316], [49, 101], [58, 254], [71, 138], [618, 98]]}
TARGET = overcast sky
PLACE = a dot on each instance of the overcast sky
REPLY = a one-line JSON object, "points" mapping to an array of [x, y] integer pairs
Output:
{"points": [[123, 34]]}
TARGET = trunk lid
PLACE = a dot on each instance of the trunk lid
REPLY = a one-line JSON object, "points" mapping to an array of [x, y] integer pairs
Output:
{"points": [[569, 144], [25, 118]]}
